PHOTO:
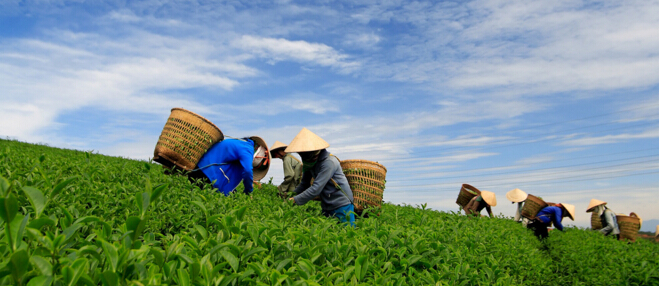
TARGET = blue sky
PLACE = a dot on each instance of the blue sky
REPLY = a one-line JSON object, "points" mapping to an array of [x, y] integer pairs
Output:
{"points": [[557, 98]]}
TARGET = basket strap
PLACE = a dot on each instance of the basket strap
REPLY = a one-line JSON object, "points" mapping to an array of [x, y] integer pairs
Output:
{"points": [[209, 165], [336, 185]]}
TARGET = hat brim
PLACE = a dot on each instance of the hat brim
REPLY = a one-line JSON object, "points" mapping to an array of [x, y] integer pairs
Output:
{"points": [[516, 195], [260, 173], [306, 141], [593, 204], [489, 198], [570, 210]]}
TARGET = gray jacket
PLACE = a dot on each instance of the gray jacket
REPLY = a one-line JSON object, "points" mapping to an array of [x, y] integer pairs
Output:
{"points": [[327, 167], [609, 222]]}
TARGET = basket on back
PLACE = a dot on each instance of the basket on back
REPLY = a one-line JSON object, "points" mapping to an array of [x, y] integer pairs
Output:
{"points": [[467, 192], [366, 179], [595, 221], [532, 206], [629, 226], [185, 139]]}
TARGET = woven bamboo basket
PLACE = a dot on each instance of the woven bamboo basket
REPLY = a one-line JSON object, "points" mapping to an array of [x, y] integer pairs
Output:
{"points": [[185, 139], [629, 226], [467, 192], [532, 206], [366, 179], [595, 221]]}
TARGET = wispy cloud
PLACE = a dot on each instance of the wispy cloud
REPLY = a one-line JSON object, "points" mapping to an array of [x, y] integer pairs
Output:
{"points": [[275, 50], [610, 139]]}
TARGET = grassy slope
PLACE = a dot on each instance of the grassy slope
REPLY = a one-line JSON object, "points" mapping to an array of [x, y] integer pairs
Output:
{"points": [[273, 241]]}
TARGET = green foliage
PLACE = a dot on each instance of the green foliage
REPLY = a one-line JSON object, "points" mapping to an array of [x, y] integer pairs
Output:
{"points": [[589, 258], [78, 218]]}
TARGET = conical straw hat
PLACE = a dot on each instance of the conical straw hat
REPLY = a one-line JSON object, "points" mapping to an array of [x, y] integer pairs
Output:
{"points": [[277, 145], [489, 197], [260, 173], [516, 195], [593, 204], [570, 210], [306, 141]]}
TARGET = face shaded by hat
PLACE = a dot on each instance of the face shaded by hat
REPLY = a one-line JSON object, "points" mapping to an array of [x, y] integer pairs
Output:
{"points": [[516, 195], [261, 162], [570, 210], [274, 150], [594, 203]]}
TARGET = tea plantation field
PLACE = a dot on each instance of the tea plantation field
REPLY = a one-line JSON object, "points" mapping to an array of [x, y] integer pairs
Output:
{"points": [[77, 218]]}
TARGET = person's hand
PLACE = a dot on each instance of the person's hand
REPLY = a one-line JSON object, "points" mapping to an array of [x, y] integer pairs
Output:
{"points": [[291, 199]]}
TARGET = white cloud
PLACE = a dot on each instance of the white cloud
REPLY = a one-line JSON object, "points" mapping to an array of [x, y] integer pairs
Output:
{"points": [[366, 41], [276, 50], [610, 139]]}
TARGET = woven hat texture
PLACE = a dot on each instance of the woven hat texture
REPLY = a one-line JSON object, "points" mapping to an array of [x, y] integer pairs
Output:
{"points": [[306, 141], [516, 195], [570, 210], [489, 197], [261, 172], [593, 204]]}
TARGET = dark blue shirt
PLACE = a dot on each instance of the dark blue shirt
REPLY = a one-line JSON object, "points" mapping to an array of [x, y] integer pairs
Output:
{"points": [[551, 214]]}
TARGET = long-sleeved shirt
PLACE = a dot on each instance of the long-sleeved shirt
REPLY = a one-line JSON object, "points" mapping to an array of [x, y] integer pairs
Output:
{"points": [[326, 168], [518, 212], [609, 223], [292, 174], [229, 162], [551, 214]]}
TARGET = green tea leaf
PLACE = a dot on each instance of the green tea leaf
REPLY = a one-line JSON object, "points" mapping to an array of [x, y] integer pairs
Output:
{"points": [[17, 228], [241, 213], [61, 186], [8, 208], [361, 267], [4, 187], [36, 198], [41, 222], [18, 264], [41, 281], [136, 225], [87, 219], [157, 192], [111, 255], [109, 278], [229, 257], [77, 268], [183, 277], [42, 264]]}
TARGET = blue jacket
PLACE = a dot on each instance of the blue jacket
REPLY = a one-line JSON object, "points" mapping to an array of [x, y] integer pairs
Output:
{"points": [[227, 163], [327, 167], [551, 214]]}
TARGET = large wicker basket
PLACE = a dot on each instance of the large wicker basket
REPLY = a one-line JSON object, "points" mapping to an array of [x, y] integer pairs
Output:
{"points": [[629, 226], [366, 179], [185, 139], [532, 205], [467, 192], [595, 221]]}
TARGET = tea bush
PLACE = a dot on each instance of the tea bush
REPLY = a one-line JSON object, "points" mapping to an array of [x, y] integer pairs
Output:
{"points": [[77, 218]]}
